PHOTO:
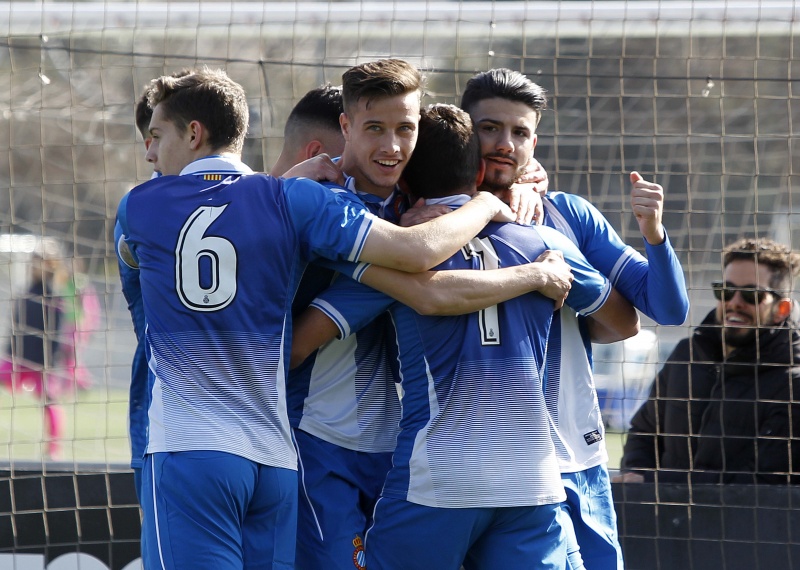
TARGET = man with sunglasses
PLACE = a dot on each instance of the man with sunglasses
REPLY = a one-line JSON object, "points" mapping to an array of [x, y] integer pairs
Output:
{"points": [[725, 406]]}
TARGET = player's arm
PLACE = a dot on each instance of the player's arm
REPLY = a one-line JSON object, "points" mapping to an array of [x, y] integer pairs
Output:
{"points": [[666, 285], [421, 247], [129, 278], [524, 198], [457, 292], [311, 330], [655, 284], [616, 320], [341, 310], [611, 316], [320, 168]]}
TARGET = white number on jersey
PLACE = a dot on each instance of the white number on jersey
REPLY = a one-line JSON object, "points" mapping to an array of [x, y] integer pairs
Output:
{"points": [[215, 255], [489, 322]]}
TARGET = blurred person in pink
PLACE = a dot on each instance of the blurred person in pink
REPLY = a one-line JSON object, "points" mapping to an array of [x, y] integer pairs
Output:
{"points": [[30, 363]]}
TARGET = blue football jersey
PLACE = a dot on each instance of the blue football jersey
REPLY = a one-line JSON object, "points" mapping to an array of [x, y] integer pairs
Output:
{"points": [[220, 252], [654, 285], [475, 431], [139, 387], [344, 393]]}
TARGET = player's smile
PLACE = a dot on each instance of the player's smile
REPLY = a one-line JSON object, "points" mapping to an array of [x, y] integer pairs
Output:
{"points": [[502, 160], [381, 135]]}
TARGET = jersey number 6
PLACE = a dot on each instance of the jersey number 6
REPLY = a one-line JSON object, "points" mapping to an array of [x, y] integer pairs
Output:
{"points": [[205, 266]]}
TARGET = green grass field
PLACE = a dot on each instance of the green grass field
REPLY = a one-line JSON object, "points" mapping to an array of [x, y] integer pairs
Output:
{"points": [[96, 428]]}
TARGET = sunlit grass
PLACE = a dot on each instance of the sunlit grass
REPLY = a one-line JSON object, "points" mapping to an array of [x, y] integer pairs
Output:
{"points": [[95, 429]]}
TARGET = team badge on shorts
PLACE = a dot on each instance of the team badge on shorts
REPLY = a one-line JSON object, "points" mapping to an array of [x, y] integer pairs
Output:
{"points": [[359, 557]]}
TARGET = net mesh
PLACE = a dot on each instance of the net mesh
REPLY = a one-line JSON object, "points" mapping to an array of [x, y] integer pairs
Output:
{"points": [[701, 97]]}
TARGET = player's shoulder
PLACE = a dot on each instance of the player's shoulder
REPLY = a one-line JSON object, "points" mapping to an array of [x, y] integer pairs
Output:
{"points": [[306, 186], [565, 202]]}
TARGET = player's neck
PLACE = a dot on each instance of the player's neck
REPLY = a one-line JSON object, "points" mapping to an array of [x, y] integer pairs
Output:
{"points": [[493, 189]]}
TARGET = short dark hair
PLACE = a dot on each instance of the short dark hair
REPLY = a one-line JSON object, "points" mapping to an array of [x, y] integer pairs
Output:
{"points": [[319, 108], [505, 84], [447, 157], [379, 79], [142, 113], [784, 263], [208, 96]]}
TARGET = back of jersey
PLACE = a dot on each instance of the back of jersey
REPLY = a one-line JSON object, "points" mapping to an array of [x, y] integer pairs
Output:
{"points": [[475, 430], [219, 260]]}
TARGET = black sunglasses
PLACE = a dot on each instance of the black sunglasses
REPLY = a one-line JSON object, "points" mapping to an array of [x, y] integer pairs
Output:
{"points": [[751, 294]]}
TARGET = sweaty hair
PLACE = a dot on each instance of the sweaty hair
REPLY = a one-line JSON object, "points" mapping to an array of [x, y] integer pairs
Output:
{"points": [[505, 84], [379, 79], [447, 157], [318, 109], [784, 263], [208, 96]]}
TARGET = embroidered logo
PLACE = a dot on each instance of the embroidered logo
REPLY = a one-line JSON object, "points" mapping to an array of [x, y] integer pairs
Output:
{"points": [[359, 557], [592, 437], [212, 177]]}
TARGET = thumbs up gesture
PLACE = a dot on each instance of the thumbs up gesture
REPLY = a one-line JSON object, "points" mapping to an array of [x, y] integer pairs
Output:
{"points": [[647, 202]]}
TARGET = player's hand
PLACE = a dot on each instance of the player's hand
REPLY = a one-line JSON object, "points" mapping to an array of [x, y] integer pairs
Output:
{"points": [[420, 213], [647, 201], [535, 174], [628, 477], [557, 274], [525, 202], [320, 168], [502, 212]]}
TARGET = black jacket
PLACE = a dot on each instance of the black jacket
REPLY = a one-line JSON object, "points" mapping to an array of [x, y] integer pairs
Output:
{"points": [[716, 420], [37, 318]]}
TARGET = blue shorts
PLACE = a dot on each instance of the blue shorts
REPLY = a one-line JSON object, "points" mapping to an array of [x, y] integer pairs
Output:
{"points": [[208, 509], [590, 507], [137, 482], [338, 491], [407, 536]]}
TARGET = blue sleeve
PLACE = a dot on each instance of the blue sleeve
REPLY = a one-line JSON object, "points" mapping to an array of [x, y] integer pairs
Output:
{"points": [[655, 285], [590, 288], [138, 396], [351, 269], [332, 224], [351, 305], [129, 277]]}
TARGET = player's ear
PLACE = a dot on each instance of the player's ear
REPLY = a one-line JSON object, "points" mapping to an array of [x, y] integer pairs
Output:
{"points": [[344, 122], [197, 133], [535, 140], [481, 173], [313, 148]]}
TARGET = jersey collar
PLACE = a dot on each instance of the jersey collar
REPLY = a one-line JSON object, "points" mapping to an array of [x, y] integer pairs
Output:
{"points": [[216, 164]]}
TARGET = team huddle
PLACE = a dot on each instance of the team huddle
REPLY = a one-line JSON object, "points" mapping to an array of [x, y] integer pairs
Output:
{"points": [[374, 361]]}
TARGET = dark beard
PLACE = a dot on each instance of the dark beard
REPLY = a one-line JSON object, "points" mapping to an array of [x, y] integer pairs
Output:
{"points": [[495, 184], [738, 340]]}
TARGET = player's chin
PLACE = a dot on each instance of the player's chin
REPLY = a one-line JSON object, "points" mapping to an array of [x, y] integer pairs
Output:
{"points": [[499, 180], [387, 179]]}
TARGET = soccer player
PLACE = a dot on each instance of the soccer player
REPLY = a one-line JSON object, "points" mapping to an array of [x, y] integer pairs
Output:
{"points": [[474, 469], [312, 128], [220, 251], [343, 402], [132, 291], [506, 108]]}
